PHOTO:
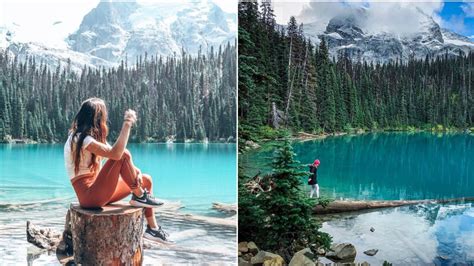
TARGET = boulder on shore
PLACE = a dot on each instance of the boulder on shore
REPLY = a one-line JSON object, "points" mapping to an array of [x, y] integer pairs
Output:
{"points": [[251, 145], [344, 252], [277, 261], [243, 262], [252, 247], [243, 247], [263, 256], [303, 257]]}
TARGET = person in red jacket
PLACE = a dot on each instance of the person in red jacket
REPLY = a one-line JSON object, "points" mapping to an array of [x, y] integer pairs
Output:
{"points": [[313, 178]]}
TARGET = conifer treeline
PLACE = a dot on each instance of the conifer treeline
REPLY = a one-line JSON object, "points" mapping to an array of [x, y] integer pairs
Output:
{"points": [[190, 97], [315, 93]]}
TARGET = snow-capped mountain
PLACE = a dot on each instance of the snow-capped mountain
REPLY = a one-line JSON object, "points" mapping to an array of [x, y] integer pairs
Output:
{"points": [[115, 31], [351, 34]]}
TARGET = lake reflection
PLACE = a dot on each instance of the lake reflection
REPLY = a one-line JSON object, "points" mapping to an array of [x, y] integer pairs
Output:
{"points": [[415, 235]]}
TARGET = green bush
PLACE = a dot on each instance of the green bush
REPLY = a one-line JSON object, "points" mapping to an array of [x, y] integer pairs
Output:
{"points": [[267, 132]]}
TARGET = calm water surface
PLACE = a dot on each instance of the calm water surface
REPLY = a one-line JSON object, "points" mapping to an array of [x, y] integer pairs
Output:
{"points": [[34, 186], [414, 235], [386, 165], [393, 166]]}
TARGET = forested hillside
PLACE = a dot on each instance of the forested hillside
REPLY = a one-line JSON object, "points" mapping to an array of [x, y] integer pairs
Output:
{"points": [[188, 97], [315, 93]]}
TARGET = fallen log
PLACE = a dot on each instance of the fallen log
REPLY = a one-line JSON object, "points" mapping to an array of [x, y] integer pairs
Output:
{"points": [[111, 235], [207, 220], [339, 206]]}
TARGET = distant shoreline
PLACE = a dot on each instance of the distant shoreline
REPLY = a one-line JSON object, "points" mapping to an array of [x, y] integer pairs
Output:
{"points": [[302, 136], [30, 142]]}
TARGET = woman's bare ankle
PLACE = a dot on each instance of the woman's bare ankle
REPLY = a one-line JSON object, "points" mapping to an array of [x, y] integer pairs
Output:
{"points": [[138, 192]]}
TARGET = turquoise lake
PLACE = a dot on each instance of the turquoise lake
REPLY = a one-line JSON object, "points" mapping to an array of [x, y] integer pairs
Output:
{"points": [[195, 174], [386, 166], [34, 187], [392, 166]]}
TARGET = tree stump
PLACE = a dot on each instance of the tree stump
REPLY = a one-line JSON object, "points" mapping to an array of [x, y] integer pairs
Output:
{"points": [[111, 235]]}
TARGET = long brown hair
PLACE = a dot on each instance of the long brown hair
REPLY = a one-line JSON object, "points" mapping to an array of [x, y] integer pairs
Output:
{"points": [[91, 120]]}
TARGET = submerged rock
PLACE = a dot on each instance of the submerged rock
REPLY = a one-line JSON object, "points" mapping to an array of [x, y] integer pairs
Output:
{"points": [[344, 252], [303, 257], [371, 252]]}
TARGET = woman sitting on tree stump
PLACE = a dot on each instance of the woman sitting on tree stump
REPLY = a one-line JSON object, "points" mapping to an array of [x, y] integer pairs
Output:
{"points": [[96, 185]]}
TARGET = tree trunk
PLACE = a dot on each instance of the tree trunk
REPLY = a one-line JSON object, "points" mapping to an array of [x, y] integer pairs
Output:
{"points": [[339, 206], [111, 235]]}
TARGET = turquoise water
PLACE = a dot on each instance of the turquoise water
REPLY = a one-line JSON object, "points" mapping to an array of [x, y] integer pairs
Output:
{"points": [[386, 165], [34, 187], [392, 166], [194, 174]]}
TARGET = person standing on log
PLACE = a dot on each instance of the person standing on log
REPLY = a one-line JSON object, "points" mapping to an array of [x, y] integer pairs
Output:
{"points": [[313, 178], [96, 185]]}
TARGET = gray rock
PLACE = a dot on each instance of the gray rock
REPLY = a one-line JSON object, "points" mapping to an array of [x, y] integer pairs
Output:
{"points": [[263, 256], [321, 252], [252, 247], [42, 238], [303, 257], [243, 262], [371, 252], [243, 247], [252, 144], [344, 252]]}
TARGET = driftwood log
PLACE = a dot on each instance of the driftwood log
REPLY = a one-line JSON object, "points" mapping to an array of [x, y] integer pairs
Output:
{"points": [[340, 206], [111, 235]]}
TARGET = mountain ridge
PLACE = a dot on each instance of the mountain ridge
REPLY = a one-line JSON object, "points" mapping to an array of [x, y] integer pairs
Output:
{"points": [[348, 34], [116, 31]]}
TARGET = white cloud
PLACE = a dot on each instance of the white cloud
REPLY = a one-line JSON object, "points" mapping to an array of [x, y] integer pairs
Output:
{"points": [[455, 23], [36, 22], [468, 9], [398, 17]]}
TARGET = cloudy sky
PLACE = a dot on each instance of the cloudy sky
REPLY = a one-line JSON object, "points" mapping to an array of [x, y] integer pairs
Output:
{"points": [[389, 14], [51, 21]]}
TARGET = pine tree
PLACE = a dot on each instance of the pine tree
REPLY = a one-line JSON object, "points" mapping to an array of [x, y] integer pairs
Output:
{"points": [[286, 208]]}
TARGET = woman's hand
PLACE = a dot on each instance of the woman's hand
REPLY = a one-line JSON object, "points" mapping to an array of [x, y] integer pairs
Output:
{"points": [[130, 117]]}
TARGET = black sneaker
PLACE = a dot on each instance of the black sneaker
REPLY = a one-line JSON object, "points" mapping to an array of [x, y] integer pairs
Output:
{"points": [[159, 235], [146, 200]]}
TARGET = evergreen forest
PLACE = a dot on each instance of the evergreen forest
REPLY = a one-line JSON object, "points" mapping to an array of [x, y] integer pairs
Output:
{"points": [[287, 81], [181, 98]]}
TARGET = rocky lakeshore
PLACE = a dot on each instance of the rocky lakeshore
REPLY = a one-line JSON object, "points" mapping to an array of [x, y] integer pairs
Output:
{"points": [[339, 254]]}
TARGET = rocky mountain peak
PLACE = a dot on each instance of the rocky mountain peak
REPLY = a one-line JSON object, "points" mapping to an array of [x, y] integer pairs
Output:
{"points": [[353, 33]]}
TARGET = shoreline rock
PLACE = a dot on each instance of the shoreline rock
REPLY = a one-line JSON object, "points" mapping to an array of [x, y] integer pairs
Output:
{"points": [[343, 252]]}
